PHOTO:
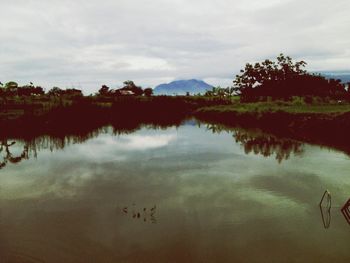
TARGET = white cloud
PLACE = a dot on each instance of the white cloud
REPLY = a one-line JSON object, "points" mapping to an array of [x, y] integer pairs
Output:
{"points": [[90, 43]]}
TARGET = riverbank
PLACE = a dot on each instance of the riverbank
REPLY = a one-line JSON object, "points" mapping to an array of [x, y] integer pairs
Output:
{"points": [[327, 125], [17, 108], [72, 116], [322, 124]]}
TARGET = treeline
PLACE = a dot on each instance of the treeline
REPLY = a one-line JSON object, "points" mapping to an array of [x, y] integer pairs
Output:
{"points": [[282, 79], [129, 89], [12, 89]]}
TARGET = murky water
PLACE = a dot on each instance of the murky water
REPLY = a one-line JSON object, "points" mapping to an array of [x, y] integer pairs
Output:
{"points": [[181, 194]]}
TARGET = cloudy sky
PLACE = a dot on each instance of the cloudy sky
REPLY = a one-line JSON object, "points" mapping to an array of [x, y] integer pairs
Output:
{"points": [[87, 43]]}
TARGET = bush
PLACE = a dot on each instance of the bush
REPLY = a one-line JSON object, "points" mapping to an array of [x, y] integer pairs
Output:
{"points": [[296, 100]]}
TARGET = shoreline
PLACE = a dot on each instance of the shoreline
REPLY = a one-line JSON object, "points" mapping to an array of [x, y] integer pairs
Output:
{"points": [[324, 129], [321, 124]]}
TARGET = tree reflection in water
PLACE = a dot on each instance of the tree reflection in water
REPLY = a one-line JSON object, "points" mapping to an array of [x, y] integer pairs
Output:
{"points": [[262, 143], [268, 145], [33, 141], [32, 145], [8, 156]]}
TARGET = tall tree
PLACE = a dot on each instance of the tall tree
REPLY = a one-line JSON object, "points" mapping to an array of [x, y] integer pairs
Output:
{"points": [[283, 79]]}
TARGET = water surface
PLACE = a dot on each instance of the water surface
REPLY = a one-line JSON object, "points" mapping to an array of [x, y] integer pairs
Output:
{"points": [[193, 193]]}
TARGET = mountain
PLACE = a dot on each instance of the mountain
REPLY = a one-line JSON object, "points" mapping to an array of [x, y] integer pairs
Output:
{"points": [[343, 76], [180, 87]]}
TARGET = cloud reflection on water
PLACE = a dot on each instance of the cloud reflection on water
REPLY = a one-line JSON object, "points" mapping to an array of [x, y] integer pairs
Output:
{"points": [[213, 201]]}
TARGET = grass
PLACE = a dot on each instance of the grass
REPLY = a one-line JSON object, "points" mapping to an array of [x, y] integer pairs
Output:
{"points": [[16, 107], [12, 108], [318, 123], [272, 107]]}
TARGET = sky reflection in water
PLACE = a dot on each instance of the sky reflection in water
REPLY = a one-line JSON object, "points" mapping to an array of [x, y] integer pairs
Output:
{"points": [[214, 202]]}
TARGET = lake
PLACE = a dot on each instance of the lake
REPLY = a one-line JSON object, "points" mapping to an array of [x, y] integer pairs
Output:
{"points": [[191, 193]]}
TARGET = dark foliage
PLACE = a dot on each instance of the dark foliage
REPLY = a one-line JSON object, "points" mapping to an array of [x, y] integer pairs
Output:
{"points": [[148, 92], [284, 79]]}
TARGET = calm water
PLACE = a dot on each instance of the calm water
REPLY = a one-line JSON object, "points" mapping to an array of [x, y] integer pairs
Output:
{"points": [[181, 194]]}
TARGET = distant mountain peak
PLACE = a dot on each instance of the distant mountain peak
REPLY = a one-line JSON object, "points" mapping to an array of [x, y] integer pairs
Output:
{"points": [[344, 76], [182, 86]]}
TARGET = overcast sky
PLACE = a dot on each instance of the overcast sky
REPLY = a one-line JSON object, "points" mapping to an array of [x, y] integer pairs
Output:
{"points": [[87, 43]]}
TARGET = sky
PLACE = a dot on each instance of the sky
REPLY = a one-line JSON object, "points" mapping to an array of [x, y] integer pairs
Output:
{"points": [[87, 43]]}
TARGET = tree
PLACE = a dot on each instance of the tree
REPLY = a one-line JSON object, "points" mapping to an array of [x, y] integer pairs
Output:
{"points": [[260, 73], [104, 90], [73, 93], [282, 79], [214, 92], [11, 89], [148, 92], [229, 91], [129, 83], [2, 90], [220, 92], [55, 91], [11, 85], [29, 90], [130, 86]]}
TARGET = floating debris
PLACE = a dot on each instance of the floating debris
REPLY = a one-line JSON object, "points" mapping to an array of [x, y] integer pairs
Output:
{"points": [[346, 211]]}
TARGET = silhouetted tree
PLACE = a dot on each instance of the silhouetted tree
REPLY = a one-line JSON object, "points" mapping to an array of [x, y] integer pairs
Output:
{"points": [[229, 91], [130, 86], [10, 89], [148, 92], [283, 79], [29, 90], [220, 92], [11, 85], [215, 91], [55, 91], [73, 93], [129, 83], [104, 90]]}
